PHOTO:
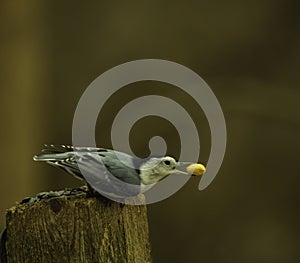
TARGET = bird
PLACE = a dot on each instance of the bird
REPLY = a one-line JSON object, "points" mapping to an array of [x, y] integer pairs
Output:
{"points": [[114, 173]]}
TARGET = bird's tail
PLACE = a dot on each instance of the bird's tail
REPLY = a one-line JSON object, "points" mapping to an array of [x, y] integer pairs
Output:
{"points": [[60, 156], [49, 157], [53, 153]]}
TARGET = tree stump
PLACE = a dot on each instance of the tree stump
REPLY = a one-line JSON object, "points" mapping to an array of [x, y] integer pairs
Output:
{"points": [[61, 227]]}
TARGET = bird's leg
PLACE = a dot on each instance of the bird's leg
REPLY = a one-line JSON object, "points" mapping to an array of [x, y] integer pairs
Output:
{"points": [[91, 192]]}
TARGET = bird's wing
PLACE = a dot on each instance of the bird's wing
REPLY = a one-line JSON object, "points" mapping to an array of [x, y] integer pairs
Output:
{"points": [[121, 165]]}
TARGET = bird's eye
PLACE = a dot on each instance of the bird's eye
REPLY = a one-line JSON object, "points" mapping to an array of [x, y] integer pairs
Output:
{"points": [[167, 162]]}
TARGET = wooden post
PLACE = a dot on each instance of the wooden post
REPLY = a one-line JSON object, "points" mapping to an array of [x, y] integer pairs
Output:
{"points": [[77, 228]]}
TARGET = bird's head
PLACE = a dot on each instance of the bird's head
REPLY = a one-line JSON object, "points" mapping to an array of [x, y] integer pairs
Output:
{"points": [[155, 169]]}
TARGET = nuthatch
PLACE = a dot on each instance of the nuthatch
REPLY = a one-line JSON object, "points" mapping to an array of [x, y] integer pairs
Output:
{"points": [[95, 162]]}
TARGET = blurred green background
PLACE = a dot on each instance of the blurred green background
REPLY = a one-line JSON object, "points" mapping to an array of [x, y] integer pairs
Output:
{"points": [[247, 51]]}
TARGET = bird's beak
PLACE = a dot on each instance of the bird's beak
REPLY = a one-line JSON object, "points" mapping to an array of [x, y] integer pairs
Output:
{"points": [[176, 171], [194, 169], [182, 166]]}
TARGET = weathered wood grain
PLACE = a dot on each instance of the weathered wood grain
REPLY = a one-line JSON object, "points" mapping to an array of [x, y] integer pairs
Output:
{"points": [[77, 229]]}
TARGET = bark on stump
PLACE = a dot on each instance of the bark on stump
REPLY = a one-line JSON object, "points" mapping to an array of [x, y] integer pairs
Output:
{"points": [[77, 228]]}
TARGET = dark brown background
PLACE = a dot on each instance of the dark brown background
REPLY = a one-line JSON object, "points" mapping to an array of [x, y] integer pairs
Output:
{"points": [[247, 51]]}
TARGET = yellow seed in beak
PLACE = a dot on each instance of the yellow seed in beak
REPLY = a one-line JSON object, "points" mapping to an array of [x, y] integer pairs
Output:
{"points": [[196, 169]]}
